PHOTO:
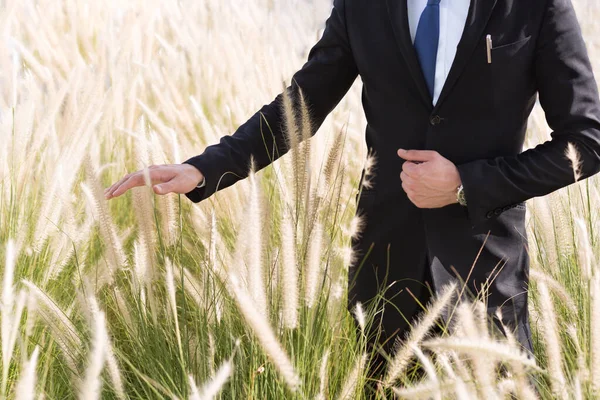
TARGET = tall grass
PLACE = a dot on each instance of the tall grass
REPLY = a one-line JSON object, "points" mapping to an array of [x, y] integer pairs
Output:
{"points": [[243, 295]]}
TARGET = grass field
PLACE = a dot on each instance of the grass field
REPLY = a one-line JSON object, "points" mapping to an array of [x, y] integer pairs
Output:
{"points": [[241, 296]]}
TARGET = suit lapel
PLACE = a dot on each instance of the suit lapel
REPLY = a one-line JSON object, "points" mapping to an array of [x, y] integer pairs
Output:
{"points": [[398, 13], [479, 14]]}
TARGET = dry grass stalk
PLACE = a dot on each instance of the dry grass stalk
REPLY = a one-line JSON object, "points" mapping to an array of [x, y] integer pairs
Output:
{"points": [[352, 380], [25, 389], [404, 352], [91, 387], [289, 281], [556, 287], [111, 360], [585, 253], [359, 314], [522, 387], [144, 215], [115, 255], [471, 347], [8, 299], [256, 276], [212, 388], [369, 170], [573, 155], [473, 326], [313, 265], [552, 341], [263, 332], [194, 392], [595, 332], [171, 294], [59, 321], [461, 390], [429, 370], [333, 160], [293, 139], [583, 372], [424, 390], [323, 381]]}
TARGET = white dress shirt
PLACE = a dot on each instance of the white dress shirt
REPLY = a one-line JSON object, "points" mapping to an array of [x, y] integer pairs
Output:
{"points": [[453, 16]]}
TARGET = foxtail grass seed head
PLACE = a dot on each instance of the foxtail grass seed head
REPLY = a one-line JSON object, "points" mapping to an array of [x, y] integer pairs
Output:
{"points": [[360, 315], [265, 335], [9, 271], [313, 270], [574, 157], [356, 226], [93, 288], [477, 347], [256, 276], [595, 333], [92, 383], [352, 380], [403, 351], [214, 386], [194, 392], [323, 384], [552, 341], [26, 387], [289, 280], [585, 253], [369, 170]]}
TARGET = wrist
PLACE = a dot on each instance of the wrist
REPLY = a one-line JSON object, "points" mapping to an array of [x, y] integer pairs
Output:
{"points": [[194, 173]]}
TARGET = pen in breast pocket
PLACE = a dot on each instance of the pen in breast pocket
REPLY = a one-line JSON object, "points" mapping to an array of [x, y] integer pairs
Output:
{"points": [[488, 42]]}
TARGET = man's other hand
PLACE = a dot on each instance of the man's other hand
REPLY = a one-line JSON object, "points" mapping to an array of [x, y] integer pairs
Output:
{"points": [[429, 180], [172, 178]]}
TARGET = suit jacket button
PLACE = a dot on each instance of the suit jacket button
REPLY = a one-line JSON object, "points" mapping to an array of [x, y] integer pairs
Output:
{"points": [[489, 214], [435, 120], [498, 211]]}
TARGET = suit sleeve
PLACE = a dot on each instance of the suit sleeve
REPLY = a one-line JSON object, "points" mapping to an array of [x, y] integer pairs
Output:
{"points": [[568, 93], [324, 79]]}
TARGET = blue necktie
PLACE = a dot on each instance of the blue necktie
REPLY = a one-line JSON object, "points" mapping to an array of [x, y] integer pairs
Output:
{"points": [[427, 40]]}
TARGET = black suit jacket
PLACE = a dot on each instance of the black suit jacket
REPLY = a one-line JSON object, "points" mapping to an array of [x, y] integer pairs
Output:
{"points": [[479, 123]]}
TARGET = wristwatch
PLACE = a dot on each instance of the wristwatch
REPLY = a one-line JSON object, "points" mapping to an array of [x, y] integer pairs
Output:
{"points": [[460, 196]]}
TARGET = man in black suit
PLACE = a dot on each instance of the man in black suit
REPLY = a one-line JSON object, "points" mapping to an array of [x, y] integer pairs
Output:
{"points": [[452, 177]]}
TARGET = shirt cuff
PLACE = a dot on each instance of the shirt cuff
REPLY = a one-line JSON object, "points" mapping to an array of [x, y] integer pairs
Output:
{"points": [[202, 184]]}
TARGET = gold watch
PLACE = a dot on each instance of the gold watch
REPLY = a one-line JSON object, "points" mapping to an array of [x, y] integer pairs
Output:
{"points": [[460, 196]]}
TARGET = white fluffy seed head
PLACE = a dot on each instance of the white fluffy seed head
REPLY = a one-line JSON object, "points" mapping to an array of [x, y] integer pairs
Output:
{"points": [[573, 155], [360, 315], [404, 352], [91, 387], [26, 386], [264, 333]]}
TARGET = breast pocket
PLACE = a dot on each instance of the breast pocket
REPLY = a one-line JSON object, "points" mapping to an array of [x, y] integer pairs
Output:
{"points": [[512, 70]]}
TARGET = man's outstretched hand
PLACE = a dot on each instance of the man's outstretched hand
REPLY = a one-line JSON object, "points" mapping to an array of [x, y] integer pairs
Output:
{"points": [[429, 179], [172, 178]]}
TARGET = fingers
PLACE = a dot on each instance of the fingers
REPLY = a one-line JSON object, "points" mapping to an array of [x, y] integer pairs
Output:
{"points": [[134, 180], [157, 174], [167, 187], [411, 169], [407, 182], [108, 192], [417, 155]]}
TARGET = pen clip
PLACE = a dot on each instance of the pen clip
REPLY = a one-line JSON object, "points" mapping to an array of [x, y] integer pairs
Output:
{"points": [[488, 43]]}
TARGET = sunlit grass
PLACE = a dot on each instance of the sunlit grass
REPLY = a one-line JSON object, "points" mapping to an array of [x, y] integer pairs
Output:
{"points": [[243, 295]]}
